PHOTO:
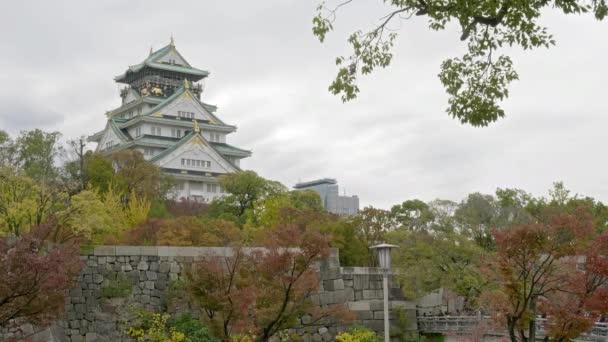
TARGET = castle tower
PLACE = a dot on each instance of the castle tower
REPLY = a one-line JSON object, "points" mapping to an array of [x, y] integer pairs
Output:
{"points": [[163, 117]]}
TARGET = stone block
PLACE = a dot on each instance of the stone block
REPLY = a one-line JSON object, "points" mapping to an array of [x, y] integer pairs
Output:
{"points": [[87, 279], [127, 250], [142, 266], [149, 285], [379, 315], [372, 294], [361, 282], [154, 266], [359, 306], [359, 295], [164, 267], [377, 305], [365, 315], [151, 275], [333, 285], [339, 297], [330, 273], [104, 250], [126, 268], [149, 250], [174, 268], [91, 337], [316, 337], [349, 294], [97, 278]]}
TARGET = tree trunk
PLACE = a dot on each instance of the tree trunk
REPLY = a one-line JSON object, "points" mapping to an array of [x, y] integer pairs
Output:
{"points": [[511, 328], [532, 325]]}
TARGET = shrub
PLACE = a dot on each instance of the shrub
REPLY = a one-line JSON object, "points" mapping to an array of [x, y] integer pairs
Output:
{"points": [[358, 334], [153, 328], [119, 288], [194, 330]]}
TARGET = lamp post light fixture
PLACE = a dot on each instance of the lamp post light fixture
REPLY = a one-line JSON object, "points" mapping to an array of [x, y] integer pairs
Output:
{"points": [[384, 259]]}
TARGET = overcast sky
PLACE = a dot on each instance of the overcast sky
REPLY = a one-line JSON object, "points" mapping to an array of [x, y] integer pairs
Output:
{"points": [[269, 77]]}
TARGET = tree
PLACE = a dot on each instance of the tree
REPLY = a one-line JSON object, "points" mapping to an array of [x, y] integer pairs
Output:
{"points": [[412, 214], [438, 260], [261, 291], [476, 217], [475, 82], [8, 150], [98, 171], [37, 152], [24, 203], [34, 278], [537, 269], [246, 192], [132, 173], [74, 171]]}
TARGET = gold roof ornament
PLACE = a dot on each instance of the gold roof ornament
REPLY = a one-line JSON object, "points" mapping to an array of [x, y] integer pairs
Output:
{"points": [[186, 84], [172, 41], [197, 129]]}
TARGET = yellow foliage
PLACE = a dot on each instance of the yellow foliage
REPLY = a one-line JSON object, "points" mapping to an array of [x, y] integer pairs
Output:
{"points": [[157, 332]]}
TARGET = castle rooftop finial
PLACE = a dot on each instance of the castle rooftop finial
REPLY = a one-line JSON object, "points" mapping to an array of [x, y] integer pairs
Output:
{"points": [[172, 40], [197, 129], [151, 51]]}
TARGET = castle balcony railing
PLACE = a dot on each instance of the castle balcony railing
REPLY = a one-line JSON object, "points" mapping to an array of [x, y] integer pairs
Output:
{"points": [[164, 81]]}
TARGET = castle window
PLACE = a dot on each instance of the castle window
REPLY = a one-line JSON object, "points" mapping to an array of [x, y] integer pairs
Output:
{"points": [[155, 130], [185, 115], [176, 133], [138, 132]]}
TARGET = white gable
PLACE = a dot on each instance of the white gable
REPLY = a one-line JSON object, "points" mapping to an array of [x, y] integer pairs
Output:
{"points": [[194, 155], [172, 58], [182, 106], [131, 96], [110, 137]]}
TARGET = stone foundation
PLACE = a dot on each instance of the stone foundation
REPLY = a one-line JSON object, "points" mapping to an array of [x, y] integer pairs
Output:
{"points": [[117, 278]]}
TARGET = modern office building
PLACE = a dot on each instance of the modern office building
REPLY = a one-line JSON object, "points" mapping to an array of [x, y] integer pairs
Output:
{"points": [[328, 190]]}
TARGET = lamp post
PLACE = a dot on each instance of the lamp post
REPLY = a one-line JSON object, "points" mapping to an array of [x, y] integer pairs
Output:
{"points": [[384, 259]]}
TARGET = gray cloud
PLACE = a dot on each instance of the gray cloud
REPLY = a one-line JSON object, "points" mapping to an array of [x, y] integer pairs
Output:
{"points": [[269, 76]]}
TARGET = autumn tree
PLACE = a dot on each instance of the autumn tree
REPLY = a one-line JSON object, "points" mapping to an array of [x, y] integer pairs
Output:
{"points": [[261, 291], [537, 268], [24, 202], [476, 82], [132, 173], [34, 277]]}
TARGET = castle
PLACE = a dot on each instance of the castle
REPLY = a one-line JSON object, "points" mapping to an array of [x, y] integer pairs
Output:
{"points": [[163, 117]]}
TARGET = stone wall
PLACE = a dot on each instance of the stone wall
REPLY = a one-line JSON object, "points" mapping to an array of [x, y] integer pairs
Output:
{"points": [[116, 278]]}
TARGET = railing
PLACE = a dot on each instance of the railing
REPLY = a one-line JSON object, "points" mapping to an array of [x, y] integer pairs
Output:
{"points": [[464, 324]]}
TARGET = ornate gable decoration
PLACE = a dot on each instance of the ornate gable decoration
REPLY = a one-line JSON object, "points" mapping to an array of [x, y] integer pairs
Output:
{"points": [[196, 155]]}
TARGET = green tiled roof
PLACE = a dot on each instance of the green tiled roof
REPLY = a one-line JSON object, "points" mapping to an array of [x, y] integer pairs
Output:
{"points": [[164, 153], [152, 61], [227, 149]]}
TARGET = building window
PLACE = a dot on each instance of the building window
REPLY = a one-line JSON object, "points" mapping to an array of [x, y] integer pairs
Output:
{"points": [[148, 151], [211, 187], [155, 130], [185, 115], [138, 132], [201, 164], [109, 144], [176, 133], [139, 111]]}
